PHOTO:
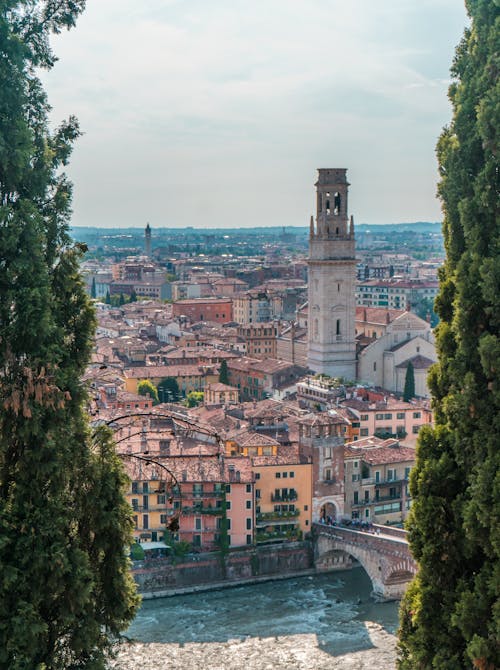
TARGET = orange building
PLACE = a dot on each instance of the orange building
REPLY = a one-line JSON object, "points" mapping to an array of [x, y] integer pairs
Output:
{"points": [[218, 310]]}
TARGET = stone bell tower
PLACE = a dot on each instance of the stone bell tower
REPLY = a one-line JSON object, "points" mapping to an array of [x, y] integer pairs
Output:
{"points": [[332, 279], [147, 241]]}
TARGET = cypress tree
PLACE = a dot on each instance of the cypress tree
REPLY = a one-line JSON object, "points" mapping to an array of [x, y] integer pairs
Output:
{"points": [[93, 291], [65, 587], [223, 372], [450, 617], [409, 390]]}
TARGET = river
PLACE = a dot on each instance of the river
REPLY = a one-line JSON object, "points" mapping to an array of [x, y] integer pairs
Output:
{"points": [[308, 623]]}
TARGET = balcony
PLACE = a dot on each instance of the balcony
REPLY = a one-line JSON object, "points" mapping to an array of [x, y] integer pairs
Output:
{"points": [[268, 518], [199, 509], [376, 501], [290, 497]]}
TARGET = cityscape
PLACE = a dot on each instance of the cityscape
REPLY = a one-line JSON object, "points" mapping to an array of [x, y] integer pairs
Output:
{"points": [[249, 404]]}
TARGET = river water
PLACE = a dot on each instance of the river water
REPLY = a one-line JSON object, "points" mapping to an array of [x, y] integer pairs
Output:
{"points": [[307, 623]]}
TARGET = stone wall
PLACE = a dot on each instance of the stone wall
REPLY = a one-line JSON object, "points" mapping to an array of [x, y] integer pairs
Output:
{"points": [[243, 564]]}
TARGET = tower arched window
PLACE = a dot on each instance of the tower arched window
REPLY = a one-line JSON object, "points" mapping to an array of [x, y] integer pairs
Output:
{"points": [[337, 329], [336, 203], [316, 329], [328, 207]]}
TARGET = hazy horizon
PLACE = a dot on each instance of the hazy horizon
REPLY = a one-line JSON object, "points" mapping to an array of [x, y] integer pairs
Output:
{"points": [[218, 114]]}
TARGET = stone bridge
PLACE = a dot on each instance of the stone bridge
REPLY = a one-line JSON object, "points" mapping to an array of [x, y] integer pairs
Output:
{"points": [[385, 556]]}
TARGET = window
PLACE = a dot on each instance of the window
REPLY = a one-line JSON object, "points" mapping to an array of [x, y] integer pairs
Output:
{"points": [[356, 465], [228, 504], [338, 327], [196, 540], [328, 474], [145, 521], [377, 476], [249, 504], [417, 415], [284, 475], [197, 523], [367, 496], [379, 417], [367, 513], [145, 502], [407, 472], [257, 475], [292, 475], [355, 478], [163, 519], [257, 494], [135, 487], [375, 366], [145, 488], [228, 524], [356, 497], [249, 488], [249, 524], [364, 417], [161, 500], [400, 415], [391, 474], [415, 429], [387, 416], [197, 490], [277, 475], [363, 432], [228, 488], [135, 504], [249, 539]]}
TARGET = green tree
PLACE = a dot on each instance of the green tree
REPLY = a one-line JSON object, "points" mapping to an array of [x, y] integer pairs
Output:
{"points": [[425, 309], [121, 299], [194, 398], [107, 299], [93, 291], [65, 587], [409, 390], [223, 372], [133, 296], [168, 390], [450, 617], [146, 386]]}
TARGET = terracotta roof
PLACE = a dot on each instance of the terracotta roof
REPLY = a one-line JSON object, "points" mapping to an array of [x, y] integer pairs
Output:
{"points": [[250, 438], [419, 362], [377, 315]]}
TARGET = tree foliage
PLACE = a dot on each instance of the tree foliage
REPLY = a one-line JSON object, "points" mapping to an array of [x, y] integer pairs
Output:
{"points": [[409, 389], [194, 398], [450, 617], [146, 386], [65, 588], [223, 372], [168, 390]]}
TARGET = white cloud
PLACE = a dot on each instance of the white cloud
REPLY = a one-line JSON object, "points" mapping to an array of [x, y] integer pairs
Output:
{"points": [[234, 101]]}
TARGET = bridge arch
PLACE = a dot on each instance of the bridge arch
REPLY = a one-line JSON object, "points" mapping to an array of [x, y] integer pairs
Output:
{"points": [[385, 559]]}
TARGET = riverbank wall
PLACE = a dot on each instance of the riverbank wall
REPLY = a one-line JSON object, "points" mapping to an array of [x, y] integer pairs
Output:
{"points": [[196, 572]]}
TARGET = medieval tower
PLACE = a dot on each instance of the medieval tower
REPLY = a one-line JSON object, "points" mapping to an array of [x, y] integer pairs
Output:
{"points": [[332, 279], [147, 241]]}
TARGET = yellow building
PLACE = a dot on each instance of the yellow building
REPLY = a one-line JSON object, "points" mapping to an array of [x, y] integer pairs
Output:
{"points": [[188, 377], [283, 496]]}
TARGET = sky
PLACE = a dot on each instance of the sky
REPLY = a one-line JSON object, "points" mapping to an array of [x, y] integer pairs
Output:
{"points": [[217, 113]]}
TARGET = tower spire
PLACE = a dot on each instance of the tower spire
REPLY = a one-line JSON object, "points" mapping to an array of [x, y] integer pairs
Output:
{"points": [[311, 227]]}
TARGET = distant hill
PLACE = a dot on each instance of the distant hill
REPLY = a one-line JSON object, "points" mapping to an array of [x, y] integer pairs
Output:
{"points": [[417, 227]]}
